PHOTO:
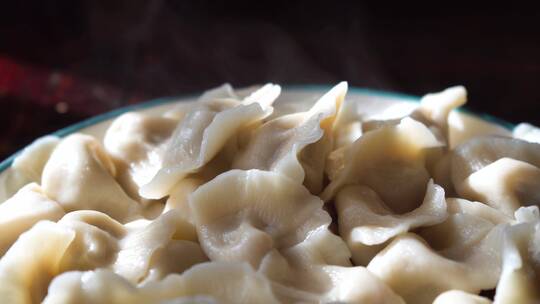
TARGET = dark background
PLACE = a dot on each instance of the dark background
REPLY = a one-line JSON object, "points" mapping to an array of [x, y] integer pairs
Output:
{"points": [[62, 61]]}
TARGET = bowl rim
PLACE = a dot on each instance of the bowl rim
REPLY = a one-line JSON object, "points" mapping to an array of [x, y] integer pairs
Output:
{"points": [[6, 163]]}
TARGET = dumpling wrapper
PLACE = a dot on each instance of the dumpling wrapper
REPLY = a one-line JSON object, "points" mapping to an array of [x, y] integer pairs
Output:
{"points": [[364, 219], [295, 282], [471, 235], [242, 215], [413, 270], [502, 172], [81, 175], [391, 161], [137, 140], [203, 132], [32, 262], [505, 184], [477, 153], [140, 250], [224, 282], [27, 167], [527, 132], [520, 275], [20, 212], [461, 297], [295, 145], [467, 224], [436, 107]]}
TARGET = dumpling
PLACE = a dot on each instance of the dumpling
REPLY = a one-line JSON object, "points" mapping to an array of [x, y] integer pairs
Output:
{"points": [[80, 175], [471, 235], [365, 220], [27, 166], [295, 145], [502, 172], [223, 282], [138, 251], [392, 161], [436, 107], [137, 141], [527, 132], [413, 270], [32, 262], [167, 241], [505, 184], [520, 275], [19, 213], [296, 282], [461, 297], [468, 223], [242, 215], [203, 132]]}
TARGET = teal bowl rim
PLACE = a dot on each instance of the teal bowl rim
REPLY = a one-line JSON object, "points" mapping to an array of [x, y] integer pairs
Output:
{"points": [[6, 163]]}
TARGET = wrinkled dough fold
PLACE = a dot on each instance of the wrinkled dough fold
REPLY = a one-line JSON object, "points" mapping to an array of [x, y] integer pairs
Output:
{"points": [[413, 270], [215, 282], [295, 145], [391, 161], [242, 215], [520, 275], [364, 219], [31, 263], [81, 175], [19, 213], [203, 132]]}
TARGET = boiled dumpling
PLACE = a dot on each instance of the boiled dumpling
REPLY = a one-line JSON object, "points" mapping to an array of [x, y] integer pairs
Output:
{"points": [[136, 250], [365, 220], [27, 166], [520, 275], [527, 132], [80, 175], [19, 213], [392, 161], [203, 132], [458, 296], [295, 145], [32, 262], [137, 141], [436, 107], [225, 282], [242, 215], [295, 282], [501, 172], [413, 270]]}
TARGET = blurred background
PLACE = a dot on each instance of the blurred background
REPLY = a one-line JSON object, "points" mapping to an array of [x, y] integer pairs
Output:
{"points": [[63, 61]]}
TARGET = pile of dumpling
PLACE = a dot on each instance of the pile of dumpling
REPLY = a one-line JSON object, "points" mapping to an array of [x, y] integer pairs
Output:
{"points": [[228, 200]]}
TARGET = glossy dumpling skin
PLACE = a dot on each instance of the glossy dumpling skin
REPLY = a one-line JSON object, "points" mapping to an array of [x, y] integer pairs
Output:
{"points": [[27, 167], [213, 282], [297, 144], [458, 296], [26, 208], [520, 275], [390, 160], [77, 168], [32, 262], [138, 251], [203, 132], [365, 220], [501, 172], [242, 215], [313, 281], [136, 142], [413, 270]]}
